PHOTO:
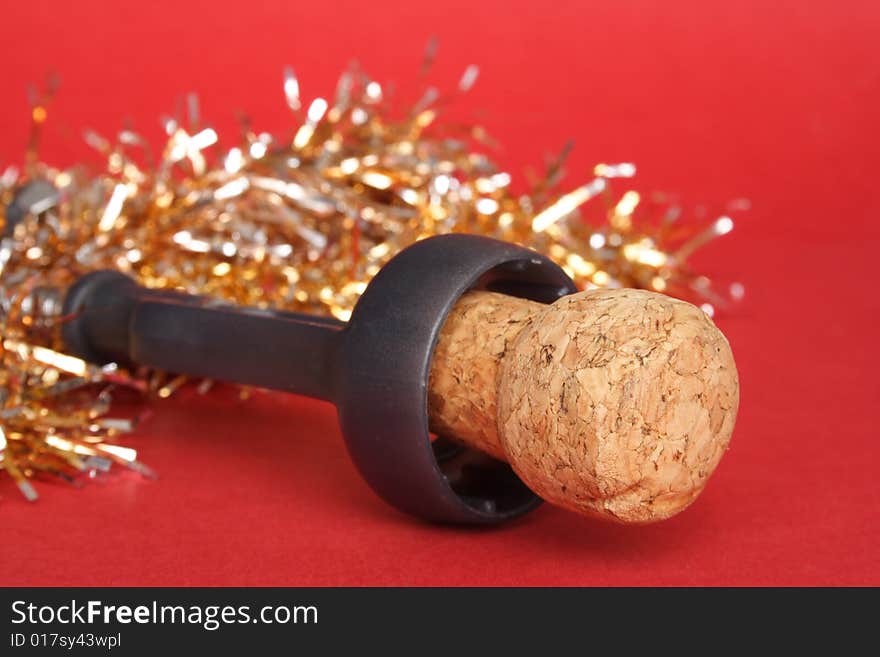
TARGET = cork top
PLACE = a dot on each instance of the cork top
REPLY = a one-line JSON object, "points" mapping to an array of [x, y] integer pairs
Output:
{"points": [[617, 403]]}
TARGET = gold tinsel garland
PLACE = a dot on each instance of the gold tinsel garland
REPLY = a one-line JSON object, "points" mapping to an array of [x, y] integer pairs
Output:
{"points": [[301, 224]]}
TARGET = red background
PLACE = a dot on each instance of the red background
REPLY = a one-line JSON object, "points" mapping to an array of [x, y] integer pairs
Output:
{"points": [[776, 102]]}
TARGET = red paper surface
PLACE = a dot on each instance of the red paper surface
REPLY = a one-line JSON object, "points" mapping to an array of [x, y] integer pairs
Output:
{"points": [[775, 102]]}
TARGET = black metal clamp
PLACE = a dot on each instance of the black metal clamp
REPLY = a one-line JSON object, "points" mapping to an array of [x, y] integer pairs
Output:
{"points": [[375, 367]]}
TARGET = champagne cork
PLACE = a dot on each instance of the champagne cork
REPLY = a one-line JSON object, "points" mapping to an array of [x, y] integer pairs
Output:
{"points": [[613, 403]]}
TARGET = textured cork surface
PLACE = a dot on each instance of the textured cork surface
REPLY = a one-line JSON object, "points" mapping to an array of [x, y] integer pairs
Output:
{"points": [[614, 403], [462, 392]]}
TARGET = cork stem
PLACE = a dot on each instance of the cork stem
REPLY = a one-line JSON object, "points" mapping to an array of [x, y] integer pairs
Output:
{"points": [[463, 388]]}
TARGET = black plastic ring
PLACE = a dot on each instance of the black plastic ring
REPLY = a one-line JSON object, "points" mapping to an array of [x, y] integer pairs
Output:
{"points": [[387, 351]]}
